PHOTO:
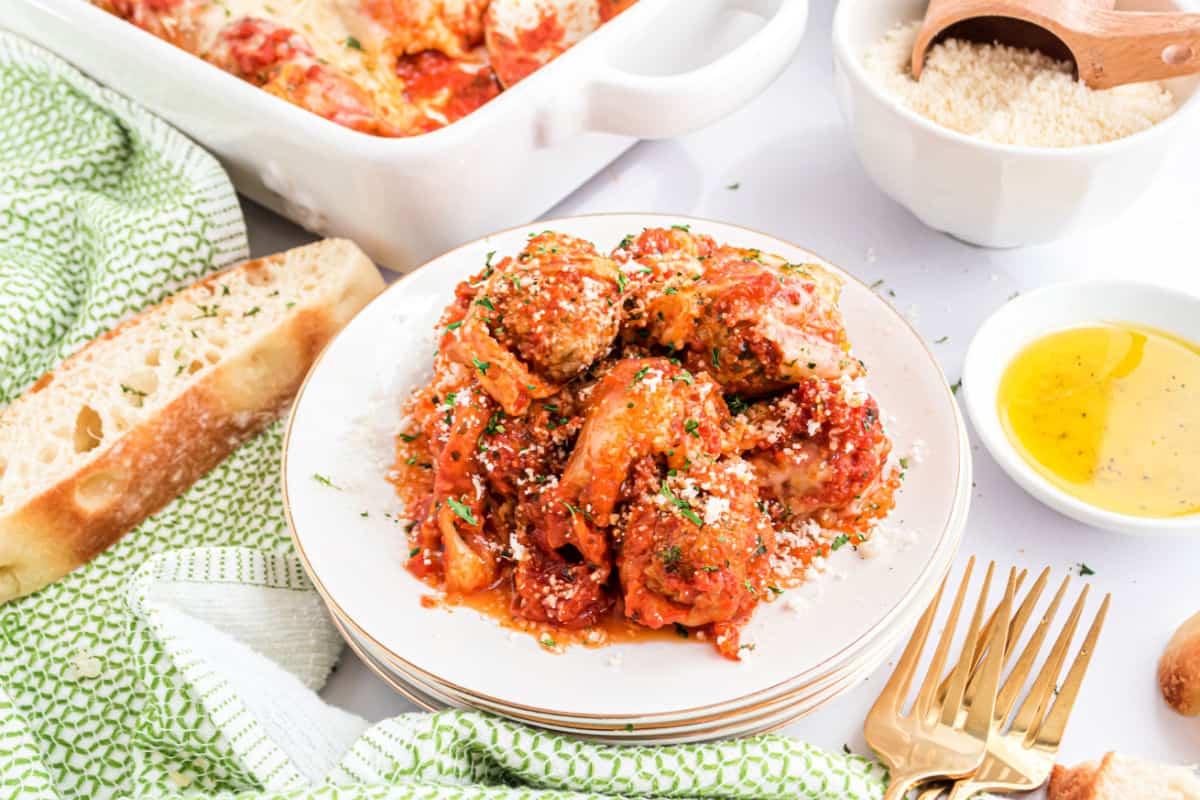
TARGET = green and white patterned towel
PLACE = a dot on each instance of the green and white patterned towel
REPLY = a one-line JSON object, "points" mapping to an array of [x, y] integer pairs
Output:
{"points": [[185, 659]]}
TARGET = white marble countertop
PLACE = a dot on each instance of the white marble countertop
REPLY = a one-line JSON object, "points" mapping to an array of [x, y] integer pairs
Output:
{"points": [[798, 179]]}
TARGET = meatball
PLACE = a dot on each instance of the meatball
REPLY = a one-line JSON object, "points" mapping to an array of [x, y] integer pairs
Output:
{"points": [[821, 451], [696, 551], [557, 305], [755, 322], [538, 320]]}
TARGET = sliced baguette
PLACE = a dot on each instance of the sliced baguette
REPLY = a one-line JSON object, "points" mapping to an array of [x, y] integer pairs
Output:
{"points": [[129, 422], [1119, 777]]}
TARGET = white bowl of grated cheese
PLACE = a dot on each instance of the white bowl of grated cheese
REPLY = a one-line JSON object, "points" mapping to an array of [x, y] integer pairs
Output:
{"points": [[1055, 158]]}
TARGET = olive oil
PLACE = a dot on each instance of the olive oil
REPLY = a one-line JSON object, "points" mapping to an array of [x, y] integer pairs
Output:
{"points": [[1110, 413]]}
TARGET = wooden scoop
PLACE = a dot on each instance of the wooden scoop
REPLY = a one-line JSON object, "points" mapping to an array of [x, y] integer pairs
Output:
{"points": [[1108, 47]]}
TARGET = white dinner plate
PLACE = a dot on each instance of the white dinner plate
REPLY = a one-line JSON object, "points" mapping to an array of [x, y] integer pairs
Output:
{"points": [[342, 428], [735, 725]]}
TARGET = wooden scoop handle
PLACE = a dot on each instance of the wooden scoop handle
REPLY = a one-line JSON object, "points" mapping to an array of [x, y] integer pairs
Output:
{"points": [[1130, 47]]}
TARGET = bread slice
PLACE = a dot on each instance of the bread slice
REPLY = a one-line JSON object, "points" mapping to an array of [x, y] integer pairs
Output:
{"points": [[126, 424], [1123, 778]]}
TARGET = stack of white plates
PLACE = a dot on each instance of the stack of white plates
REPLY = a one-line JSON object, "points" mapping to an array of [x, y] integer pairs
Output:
{"points": [[810, 645]]}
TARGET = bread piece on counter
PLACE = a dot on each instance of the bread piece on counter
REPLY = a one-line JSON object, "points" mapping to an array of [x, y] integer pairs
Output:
{"points": [[1179, 669], [1123, 778], [129, 422]]}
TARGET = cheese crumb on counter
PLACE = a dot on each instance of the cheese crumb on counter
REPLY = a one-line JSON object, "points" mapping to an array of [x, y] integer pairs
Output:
{"points": [[1010, 95]]}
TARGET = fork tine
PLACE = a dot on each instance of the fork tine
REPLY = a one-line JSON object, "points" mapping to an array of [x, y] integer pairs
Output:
{"points": [[1015, 628], [897, 686], [961, 671], [1051, 731], [1020, 671], [1038, 699], [979, 718], [924, 703]]}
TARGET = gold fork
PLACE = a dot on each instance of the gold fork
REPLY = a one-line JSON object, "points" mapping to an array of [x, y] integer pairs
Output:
{"points": [[1021, 757], [935, 739]]}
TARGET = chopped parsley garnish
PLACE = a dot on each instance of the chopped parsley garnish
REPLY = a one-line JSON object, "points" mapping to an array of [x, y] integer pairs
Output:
{"points": [[710, 569], [942, 340], [839, 542], [903, 463], [716, 358], [685, 376], [463, 511], [628, 240], [749, 586], [324, 481], [482, 366], [621, 282], [252, 312], [671, 555], [681, 227], [412, 460], [353, 43], [408, 437], [775, 590], [132, 391], [685, 508], [576, 510], [486, 303], [733, 187], [680, 630], [224, 290], [692, 427], [637, 376], [1085, 570], [207, 312], [671, 290], [364, 514], [414, 552], [495, 423], [736, 404], [546, 641], [956, 386], [453, 325]]}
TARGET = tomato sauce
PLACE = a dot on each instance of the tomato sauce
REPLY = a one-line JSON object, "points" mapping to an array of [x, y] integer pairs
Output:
{"points": [[455, 87]]}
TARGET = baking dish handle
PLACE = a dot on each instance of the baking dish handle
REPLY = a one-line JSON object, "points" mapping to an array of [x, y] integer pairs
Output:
{"points": [[651, 106]]}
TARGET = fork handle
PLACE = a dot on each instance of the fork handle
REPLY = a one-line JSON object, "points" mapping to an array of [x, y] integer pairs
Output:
{"points": [[900, 785], [965, 789]]}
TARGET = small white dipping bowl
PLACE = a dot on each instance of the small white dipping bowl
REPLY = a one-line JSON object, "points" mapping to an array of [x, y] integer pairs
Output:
{"points": [[1031, 316], [988, 194]]}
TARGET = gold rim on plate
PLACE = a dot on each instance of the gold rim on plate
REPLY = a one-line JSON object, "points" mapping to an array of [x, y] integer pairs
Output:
{"points": [[624, 734]]}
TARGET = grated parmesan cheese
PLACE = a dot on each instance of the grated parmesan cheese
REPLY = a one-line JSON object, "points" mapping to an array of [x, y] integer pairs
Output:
{"points": [[1010, 95]]}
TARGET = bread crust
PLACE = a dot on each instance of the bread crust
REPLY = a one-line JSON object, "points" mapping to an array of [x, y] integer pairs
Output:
{"points": [[73, 521], [1074, 783], [1179, 669]]}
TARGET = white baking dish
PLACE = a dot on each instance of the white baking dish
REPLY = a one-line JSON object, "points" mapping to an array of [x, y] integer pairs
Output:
{"points": [[662, 68]]}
